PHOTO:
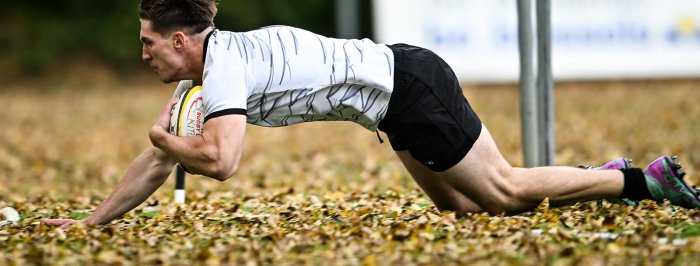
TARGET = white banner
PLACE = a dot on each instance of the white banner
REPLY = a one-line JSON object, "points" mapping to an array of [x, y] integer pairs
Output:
{"points": [[592, 39]]}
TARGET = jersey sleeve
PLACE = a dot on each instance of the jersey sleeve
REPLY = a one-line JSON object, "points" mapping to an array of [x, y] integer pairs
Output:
{"points": [[225, 83]]}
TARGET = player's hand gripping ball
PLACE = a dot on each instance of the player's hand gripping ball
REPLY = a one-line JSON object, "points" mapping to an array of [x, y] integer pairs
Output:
{"points": [[187, 118]]}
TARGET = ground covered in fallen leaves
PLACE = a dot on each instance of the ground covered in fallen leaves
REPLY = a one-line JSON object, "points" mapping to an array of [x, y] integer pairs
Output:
{"points": [[345, 200], [356, 228]]}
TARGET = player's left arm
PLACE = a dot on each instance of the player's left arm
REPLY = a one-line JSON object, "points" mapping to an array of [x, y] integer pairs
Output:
{"points": [[216, 153]]}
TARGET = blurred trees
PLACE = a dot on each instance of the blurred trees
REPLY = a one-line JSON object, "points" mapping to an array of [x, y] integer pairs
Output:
{"points": [[39, 36]]}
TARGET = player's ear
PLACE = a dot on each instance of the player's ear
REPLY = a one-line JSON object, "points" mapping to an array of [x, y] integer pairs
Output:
{"points": [[178, 39]]}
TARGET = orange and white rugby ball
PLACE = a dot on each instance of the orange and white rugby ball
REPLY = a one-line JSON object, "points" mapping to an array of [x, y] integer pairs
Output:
{"points": [[187, 118]]}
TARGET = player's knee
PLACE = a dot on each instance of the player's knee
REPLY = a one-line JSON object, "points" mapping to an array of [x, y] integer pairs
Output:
{"points": [[503, 204], [507, 196]]}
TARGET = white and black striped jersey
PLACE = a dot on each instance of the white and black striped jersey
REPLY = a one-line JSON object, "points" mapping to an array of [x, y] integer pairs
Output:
{"points": [[281, 75]]}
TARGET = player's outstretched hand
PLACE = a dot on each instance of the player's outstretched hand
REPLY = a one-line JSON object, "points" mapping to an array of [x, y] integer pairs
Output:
{"points": [[62, 223]]}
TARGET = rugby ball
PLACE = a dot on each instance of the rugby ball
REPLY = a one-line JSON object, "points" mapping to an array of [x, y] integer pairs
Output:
{"points": [[9, 214], [187, 117]]}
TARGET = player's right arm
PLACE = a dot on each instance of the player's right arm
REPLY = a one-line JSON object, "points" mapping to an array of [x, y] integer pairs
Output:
{"points": [[145, 174]]}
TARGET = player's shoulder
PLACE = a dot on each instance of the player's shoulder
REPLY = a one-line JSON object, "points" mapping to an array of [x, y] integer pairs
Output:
{"points": [[279, 27], [273, 30]]}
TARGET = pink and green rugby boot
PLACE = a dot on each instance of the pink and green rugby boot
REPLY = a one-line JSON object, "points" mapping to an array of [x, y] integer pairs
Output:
{"points": [[664, 179]]}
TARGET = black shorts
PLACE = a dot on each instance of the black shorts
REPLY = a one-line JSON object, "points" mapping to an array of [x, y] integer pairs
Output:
{"points": [[428, 114]]}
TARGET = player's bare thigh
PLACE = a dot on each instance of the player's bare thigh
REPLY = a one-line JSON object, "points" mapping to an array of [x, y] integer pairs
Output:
{"points": [[482, 174], [445, 197]]}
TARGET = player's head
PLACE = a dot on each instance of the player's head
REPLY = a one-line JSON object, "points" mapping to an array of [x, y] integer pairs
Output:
{"points": [[169, 30], [190, 16]]}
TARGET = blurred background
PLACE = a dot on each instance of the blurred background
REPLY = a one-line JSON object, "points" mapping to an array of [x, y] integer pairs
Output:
{"points": [[592, 39]]}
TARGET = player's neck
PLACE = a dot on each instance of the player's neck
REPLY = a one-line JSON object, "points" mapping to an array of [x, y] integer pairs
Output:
{"points": [[196, 52]]}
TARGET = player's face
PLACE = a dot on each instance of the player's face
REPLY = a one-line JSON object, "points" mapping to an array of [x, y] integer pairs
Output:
{"points": [[160, 53]]}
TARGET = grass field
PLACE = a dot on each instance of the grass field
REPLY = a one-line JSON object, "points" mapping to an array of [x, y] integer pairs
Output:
{"points": [[342, 200]]}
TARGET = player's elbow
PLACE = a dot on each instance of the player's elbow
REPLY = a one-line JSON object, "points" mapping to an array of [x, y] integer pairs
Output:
{"points": [[220, 164], [222, 167], [223, 171]]}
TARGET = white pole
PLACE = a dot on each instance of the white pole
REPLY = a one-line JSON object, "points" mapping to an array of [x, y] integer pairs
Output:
{"points": [[545, 83], [528, 94], [179, 184]]}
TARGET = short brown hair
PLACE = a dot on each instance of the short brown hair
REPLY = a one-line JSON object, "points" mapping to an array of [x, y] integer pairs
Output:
{"points": [[167, 16]]}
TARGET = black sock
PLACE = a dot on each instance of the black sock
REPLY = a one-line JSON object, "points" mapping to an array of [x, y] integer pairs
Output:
{"points": [[635, 187]]}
